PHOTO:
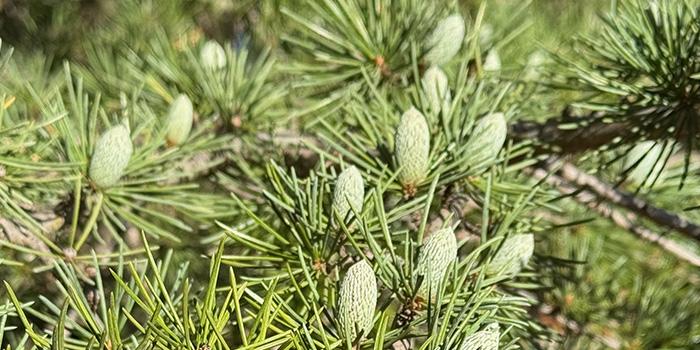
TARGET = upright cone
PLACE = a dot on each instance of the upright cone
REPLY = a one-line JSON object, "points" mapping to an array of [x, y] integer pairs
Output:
{"points": [[357, 301], [487, 139], [439, 250], [492, 62], [179, 122], [349, 192], [436, 89], [110, 156], [412, 148], [486, 339], [445, 40], [514, 254], [213, 55]]}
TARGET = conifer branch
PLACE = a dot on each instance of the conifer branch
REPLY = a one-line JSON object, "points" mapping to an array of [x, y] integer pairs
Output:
{"points": [[591, 198], [659, 216], [573, 134], [566, 141], [349, 169]]}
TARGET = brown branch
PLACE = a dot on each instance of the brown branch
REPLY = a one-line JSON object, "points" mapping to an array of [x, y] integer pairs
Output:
{"points": [[625, 221], [567, 141], [659, 216], [591, 131]]}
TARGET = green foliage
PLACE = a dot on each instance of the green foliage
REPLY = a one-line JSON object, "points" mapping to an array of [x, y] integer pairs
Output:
{"points": [[361, 43], [350, 172], [642, 71], [130, 305], [629, 288]]}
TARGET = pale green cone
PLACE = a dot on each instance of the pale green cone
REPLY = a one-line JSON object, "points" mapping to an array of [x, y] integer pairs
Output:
{"points": [[445, 40], [436, 89], [412, 147], [349, 192], [179, 122], [110, 156], [535, 62], [213, 55], [486, 34], [438, 251], [487, 139], [514, 254], [357, 300], [486, 339], [492, 62]]}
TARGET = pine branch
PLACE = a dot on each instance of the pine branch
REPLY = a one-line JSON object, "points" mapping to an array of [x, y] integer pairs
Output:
{"points": [[566, 141], [591, 198], [635, 204], [572, 134]]}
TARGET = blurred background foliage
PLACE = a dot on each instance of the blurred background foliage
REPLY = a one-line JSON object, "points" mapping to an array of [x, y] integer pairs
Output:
{"points": [[615, 292]]}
